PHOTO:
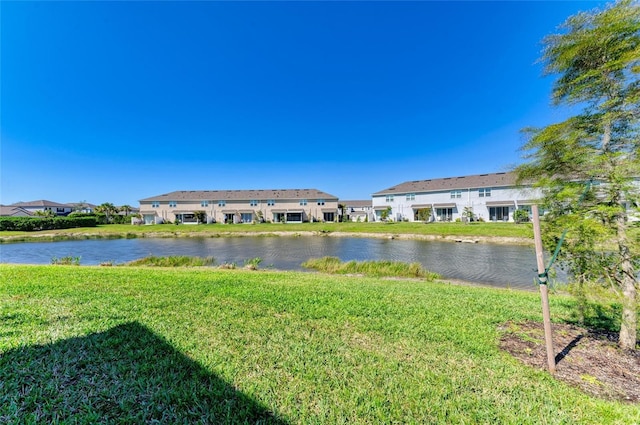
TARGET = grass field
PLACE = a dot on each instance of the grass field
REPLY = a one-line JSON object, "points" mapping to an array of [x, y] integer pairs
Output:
{"points": [[500, 230], [125, 345]]}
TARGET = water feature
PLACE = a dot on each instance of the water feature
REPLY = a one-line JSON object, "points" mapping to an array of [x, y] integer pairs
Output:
{"points": [[491, 264]]}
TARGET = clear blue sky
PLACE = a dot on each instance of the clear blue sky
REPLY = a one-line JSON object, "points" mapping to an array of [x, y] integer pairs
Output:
{"points": [[119, 101]]}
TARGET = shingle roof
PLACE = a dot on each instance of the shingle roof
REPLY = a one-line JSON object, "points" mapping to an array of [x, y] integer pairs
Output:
{"points": [[9, 211], [240, 195], [39, 203], [357, 203], [453, 183]]}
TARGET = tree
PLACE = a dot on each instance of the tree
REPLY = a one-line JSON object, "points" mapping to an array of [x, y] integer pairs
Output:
{"points": [[126, 209], [108, 209], [200, 216], [80, 206], [44, 213], [521, 215], [385, 214], [588, 165], [424, 214], [467, 214]]}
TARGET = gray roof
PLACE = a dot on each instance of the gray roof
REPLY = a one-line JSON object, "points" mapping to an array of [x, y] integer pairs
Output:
{"points": [[357, 203], [452, 183], [241, 195], [11, 211], [39, 203]]}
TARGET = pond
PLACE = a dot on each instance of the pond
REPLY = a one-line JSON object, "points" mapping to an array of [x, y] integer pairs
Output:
{"points": [[490, 264]]}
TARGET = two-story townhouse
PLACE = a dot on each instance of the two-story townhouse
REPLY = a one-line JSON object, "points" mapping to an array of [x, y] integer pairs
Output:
{"points": [[489, 197], [241, 206]]}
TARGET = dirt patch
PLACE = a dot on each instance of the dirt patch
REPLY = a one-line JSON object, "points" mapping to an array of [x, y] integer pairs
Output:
{"points": [[585, 359]]}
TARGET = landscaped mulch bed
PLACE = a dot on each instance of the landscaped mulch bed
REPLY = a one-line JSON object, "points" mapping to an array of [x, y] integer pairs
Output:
{"points": [[586, 359]]}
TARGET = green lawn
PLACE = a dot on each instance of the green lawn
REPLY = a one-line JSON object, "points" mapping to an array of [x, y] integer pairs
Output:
{"points": [[510, 230], [123, 345]]}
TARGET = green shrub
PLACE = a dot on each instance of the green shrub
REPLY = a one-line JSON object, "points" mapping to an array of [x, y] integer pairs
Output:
{"points": [[30, 224]]}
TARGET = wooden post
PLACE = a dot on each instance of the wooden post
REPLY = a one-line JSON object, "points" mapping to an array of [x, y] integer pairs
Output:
{"points": [[544, 294]]}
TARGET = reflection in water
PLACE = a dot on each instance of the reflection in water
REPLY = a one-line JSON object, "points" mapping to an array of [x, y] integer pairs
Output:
{"points": [[496, 265]]}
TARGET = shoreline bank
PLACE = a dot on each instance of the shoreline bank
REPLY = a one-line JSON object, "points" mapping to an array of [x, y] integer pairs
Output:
{"points": [[52, 237]]}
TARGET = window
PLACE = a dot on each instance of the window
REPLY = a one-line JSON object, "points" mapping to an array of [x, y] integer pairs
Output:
{"points": [[389, 198], [303, 202], [271, 202], [155, 204], [456, 194], [204, 203], [294, 217], [222, 203], [320, 201], [411, 196], [253, 203], [484, 193], [246, 217], [173, 204]]}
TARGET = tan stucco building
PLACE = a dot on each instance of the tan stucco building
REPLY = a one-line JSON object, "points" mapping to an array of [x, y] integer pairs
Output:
{"points": [[241, 206]]}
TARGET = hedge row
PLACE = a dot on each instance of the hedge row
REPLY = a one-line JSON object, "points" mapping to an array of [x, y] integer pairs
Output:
{"points": [[30, 224]]}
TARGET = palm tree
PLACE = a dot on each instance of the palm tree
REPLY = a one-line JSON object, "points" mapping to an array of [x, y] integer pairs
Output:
{"points": [[108, 209], [126, 209]]}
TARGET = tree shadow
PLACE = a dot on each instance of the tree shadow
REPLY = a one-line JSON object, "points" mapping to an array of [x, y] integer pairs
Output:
{"points": [[594, 316], [126, 374], [566, 350]]}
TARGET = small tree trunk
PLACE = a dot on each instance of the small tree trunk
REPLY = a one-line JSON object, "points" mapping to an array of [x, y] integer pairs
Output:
{"points": [[628, 326]]}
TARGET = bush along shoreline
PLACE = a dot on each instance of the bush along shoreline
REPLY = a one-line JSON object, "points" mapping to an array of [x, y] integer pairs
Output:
{"points": [[34, 224]]}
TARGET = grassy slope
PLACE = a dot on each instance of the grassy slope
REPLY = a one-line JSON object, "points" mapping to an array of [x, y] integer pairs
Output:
{"points": [[228, 346], [438, 229]]}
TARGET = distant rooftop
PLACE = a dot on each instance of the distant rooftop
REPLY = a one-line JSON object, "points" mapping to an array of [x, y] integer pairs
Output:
{"points": [[452, 183], [239, 195], [39, 203]]}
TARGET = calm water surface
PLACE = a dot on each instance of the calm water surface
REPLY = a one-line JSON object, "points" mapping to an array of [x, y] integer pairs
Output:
{"points": [[491, 264]]}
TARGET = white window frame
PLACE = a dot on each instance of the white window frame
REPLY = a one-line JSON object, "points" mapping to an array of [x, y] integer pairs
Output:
{"points": [[253, 203], [456, 194], [303, 202], [204, 203], [484, 192], [173, 204], [411, 197], [388, 198], [155, 204], [271, 202], [222, 203], [320, 201]]}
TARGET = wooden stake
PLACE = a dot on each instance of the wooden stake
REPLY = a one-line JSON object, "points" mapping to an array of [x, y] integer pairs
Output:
{"points": [[544, 291]]}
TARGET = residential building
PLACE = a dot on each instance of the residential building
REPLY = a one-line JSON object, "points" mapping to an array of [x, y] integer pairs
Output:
{"points": [[488, 197], [241, 206], [11, 211], [44, 205], [358, 210], [82, 207]]}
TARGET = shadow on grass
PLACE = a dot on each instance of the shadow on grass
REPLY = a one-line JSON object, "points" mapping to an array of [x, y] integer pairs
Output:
{"points": [[127, 374], [594, 316]]}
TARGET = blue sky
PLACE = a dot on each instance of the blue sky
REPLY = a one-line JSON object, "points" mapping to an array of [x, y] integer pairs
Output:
{"points": [[119, 101]]}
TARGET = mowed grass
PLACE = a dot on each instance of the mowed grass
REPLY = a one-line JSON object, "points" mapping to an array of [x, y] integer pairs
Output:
{"points": [[131, 345], [511, 230]]}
